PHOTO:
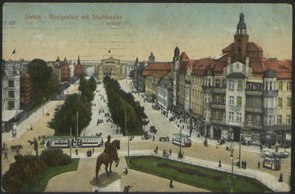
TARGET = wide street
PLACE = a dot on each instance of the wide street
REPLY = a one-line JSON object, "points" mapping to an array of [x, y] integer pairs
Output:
{"points": [[82, 179]]}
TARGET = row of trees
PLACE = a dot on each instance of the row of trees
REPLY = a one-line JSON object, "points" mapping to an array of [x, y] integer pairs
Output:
{"points": [[65, 116], [121, 103], [44, 82], [25, 170]]}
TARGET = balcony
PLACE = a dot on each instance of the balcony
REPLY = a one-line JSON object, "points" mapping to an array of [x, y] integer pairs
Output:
{"points": [[234, 108], [253, 125], [218, 90], [219, 121], [218, 106], [254, 93], [271, 93], [253, 109]]}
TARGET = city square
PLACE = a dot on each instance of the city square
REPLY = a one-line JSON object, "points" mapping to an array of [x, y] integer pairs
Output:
{"points": [[230, 113]]}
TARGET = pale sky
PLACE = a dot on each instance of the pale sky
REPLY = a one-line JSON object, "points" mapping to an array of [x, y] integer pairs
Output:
{"points": [[201, 30]]}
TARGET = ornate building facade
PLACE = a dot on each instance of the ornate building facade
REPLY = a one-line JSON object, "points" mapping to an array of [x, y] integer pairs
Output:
{"points": [[111, 67]]}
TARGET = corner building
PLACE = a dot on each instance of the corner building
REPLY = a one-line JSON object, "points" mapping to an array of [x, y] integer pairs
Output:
{"points": [[237, 95]]}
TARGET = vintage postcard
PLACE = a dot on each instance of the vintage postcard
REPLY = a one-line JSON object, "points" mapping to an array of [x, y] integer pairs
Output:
{"points": [[145, 97]]}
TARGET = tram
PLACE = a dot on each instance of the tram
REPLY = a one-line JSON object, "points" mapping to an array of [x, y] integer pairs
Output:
{"points": [[181, 139], [67, 141], [273, 163]]}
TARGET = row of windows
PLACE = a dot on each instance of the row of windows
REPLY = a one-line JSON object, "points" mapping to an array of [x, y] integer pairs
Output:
{"points": [[232, 100], [279, 119], [221, 83], [238, 116], [280, 102]]}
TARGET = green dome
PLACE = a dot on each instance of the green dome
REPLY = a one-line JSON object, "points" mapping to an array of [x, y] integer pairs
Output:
{"points": [[269, 74]]}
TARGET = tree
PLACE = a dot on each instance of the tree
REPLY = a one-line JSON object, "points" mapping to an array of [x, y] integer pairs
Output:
{"points": [[44, 83]]}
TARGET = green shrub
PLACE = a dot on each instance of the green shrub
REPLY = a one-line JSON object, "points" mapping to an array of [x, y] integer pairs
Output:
{"points": [[25, 170], [55, 157]]}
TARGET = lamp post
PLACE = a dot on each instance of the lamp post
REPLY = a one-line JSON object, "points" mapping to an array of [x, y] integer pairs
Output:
{"points": [[71, 142], [126, 130], [232, 159], [43, 104]]}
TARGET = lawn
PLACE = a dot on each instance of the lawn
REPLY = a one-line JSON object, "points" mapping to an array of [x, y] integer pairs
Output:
{"points": [[42, 180], [201, 177]]}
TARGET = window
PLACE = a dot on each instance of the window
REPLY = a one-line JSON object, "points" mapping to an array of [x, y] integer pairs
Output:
{"points": [[266, 86], [279, 119], [280, 102], [209, 82], [11, 83], [217, 83], [224, 83], [11, 94], [231, 116], [289, 102], [280, 85], [217, 99], [239, 117], [231, 100], [289, 86], [288, 119], [11, 105], [240, 84], [239, 101], [231, 84], [258, 119]]}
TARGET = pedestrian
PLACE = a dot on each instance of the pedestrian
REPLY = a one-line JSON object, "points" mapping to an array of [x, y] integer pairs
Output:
{"points": [[5, 155], [245, 164], [258, 164], [171, 184], [170, 152], [219, 163], [164, 151], [76, 151], [93, 150], [281, 177]]}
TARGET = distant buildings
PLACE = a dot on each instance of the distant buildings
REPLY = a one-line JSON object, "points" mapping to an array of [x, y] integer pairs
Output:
{"points": [[111, 67], [238, 95]]}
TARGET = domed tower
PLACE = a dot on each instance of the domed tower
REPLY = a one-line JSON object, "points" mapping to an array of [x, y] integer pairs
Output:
{"points": [[241, 40], [151, 58]]}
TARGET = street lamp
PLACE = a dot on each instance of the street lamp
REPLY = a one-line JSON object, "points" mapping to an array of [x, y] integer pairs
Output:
{"points": [[71, 142], [44, 99]]}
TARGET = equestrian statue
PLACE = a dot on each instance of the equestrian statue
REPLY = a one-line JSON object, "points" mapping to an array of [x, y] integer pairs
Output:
{"points": [[109, 155]]}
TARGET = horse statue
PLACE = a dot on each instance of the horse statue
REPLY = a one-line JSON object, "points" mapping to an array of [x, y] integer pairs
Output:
{"points": [[106, 159]]}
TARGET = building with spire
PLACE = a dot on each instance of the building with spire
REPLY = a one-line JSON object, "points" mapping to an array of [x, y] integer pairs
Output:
{"points": [[65, 72], [78, 70]]}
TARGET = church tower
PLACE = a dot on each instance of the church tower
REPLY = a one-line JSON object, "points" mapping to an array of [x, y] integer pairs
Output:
{"points": [[241, 40], [175, 66]]}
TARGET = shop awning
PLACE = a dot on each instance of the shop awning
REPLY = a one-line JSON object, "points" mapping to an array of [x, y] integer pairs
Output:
{"points": [[9, 114]]}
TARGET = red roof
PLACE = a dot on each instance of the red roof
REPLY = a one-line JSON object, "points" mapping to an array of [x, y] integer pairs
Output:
{"points": [[159, 68], [251, 46], [229, 48]]}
